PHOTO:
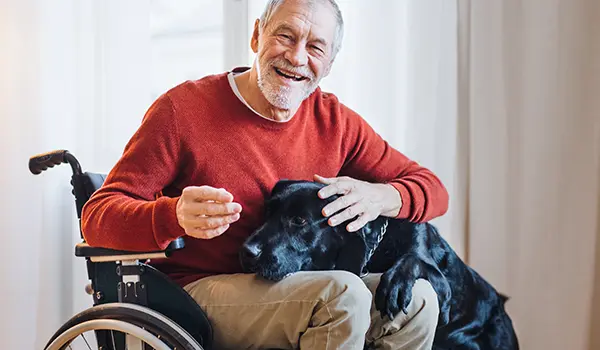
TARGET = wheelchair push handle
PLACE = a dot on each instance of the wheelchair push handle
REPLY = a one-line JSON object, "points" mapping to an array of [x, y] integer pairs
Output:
{"points": [[41, 162]]}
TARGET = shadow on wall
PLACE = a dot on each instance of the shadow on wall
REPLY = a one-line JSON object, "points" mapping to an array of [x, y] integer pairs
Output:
{"points": [[595, 314]]}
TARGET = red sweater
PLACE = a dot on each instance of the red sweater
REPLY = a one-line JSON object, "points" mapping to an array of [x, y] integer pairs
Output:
{"points": [[200, 133]]}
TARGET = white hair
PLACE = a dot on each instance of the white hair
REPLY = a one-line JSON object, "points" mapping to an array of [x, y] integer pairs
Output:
{"points": [[339, 33]]}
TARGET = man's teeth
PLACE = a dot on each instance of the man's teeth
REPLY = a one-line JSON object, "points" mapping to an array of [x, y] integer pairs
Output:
{"points": [[291, 76]]}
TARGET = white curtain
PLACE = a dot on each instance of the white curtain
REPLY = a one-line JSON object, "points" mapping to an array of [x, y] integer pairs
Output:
{"points": [[71, 73], [79, 75], [529, 94]]}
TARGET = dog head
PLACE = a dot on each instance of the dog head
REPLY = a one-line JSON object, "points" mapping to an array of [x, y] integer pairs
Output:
{"points": [[296, 236]]}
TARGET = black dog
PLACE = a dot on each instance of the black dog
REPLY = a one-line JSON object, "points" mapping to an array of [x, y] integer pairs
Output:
{"points": [[296, 237]]}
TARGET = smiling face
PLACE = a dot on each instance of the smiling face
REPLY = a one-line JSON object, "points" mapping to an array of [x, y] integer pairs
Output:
{"points": [[295, 50], [295, 236]]}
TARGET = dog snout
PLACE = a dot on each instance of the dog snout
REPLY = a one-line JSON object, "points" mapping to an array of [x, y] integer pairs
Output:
{"points": [[250, 252]]}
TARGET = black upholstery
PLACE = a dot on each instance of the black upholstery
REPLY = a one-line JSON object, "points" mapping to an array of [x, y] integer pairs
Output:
{"points": [[93, 181], [84, 185]]}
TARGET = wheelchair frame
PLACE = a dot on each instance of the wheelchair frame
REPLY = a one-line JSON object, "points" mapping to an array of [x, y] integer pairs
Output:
{"points": [[130, 297]]}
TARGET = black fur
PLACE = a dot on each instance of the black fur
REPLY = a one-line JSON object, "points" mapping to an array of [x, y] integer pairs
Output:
{"points": [[296, 237]]}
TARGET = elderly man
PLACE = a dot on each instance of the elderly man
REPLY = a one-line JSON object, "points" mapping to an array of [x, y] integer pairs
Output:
{"points": [[209, 151]]}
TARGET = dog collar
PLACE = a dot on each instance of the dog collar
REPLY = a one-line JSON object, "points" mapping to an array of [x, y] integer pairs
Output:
{"points": [[382, 232]]}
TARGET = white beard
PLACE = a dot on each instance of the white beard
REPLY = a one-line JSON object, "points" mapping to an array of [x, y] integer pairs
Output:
{"points": [[280, 96]]}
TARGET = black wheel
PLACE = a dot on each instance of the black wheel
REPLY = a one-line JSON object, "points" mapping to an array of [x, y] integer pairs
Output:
{"points": [[110, 322]]}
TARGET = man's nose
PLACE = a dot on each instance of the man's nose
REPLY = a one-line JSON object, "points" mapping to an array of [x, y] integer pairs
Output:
{"points": [[297, 55]]}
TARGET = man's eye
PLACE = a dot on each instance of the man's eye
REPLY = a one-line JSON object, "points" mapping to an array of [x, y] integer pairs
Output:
{"points": [[318, 49], [285, 36], [298, 221]]}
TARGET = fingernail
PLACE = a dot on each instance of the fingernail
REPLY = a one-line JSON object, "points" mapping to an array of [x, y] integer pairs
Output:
{"points": [[325, 212], [332, 222]]}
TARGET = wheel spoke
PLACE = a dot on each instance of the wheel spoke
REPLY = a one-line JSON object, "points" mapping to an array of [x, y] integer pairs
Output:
{"points": [[86, 342], [112, 335]]}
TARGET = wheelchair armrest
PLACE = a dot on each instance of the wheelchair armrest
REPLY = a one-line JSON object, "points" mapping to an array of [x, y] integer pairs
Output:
{"points": [[104, 254]]}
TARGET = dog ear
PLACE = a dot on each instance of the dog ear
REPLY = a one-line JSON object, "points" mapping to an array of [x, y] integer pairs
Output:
{"points": [[353, 254]]}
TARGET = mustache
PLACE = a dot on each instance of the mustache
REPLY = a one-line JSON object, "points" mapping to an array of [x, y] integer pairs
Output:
{"points": [[285, 65]]}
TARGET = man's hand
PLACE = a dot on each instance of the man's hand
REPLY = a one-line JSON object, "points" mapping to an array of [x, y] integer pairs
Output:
{"points": [[360, 199], [206, 212]]}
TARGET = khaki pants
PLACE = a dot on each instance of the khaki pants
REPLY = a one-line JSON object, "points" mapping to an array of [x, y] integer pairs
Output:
{"points": [[311, 310]]}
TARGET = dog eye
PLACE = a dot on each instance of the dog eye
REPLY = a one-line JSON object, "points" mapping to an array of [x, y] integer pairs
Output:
{"points": [[298, 221]]}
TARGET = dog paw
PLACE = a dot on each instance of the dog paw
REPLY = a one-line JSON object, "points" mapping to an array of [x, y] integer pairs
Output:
{"points": [[444, 297], [394, 293]]}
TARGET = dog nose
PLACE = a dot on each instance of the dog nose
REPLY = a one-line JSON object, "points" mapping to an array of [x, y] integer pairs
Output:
{"points": [[251, 251]]}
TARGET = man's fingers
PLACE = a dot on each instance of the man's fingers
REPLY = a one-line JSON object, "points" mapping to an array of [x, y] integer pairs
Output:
{"points": [[340, 203], [338, 187], [206, 212], [325, 180], [207, 193], [347, 214], [210, 222], [209, 233], [357, 224], [211, 208]]}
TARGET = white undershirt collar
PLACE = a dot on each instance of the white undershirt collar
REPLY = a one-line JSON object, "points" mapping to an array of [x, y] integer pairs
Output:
{"points": [[236, 91]]}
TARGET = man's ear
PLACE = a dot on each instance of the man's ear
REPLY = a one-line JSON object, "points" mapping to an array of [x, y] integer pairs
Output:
{"points": [[255, 35], [328, 69], [353, 254]]}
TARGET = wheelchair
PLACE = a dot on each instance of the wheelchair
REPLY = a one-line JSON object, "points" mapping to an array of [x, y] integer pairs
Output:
{"points": [[135, 306]]}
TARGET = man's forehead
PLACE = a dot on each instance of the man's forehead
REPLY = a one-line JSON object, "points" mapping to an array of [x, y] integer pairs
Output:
{"points": [[316, 17]]}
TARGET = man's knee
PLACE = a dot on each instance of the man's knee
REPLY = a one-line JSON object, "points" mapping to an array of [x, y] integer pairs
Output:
{"points": [[344, 286], [340, 318], [345, 296]]}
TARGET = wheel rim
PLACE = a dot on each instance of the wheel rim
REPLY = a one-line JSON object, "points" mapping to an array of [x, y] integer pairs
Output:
{"points": [[164, 319], [104, 324]]}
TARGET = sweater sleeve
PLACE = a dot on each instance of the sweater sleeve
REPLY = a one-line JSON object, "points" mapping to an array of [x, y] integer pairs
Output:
{"points": [[371, 158], [126, 213]]}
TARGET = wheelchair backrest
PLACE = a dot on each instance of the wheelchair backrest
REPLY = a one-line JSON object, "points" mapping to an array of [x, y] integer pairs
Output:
{"points": [[84, 185]]}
